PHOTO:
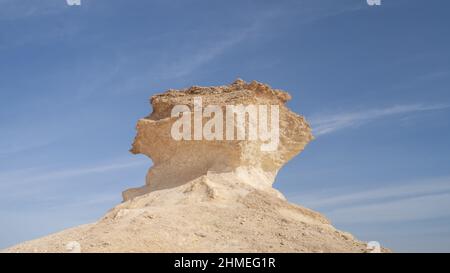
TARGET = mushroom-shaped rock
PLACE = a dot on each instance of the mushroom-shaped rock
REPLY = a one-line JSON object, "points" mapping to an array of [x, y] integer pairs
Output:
{"points": [[253, 135]]}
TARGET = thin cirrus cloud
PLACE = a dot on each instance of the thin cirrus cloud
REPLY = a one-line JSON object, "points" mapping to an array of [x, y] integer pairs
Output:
{"points": [[13, 9], [420, 200], [32, 175], [204, 55], [193, 59], [426, 207], [181, 63], [326, 124]]}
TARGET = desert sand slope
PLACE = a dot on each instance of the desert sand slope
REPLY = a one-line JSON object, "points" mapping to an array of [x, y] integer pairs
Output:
{"points": [[196, 218], [209, 195]]}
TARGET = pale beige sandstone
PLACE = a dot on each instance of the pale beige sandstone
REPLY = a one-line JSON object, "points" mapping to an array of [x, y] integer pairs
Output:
{"points": [[178, 162], [208, 196]]}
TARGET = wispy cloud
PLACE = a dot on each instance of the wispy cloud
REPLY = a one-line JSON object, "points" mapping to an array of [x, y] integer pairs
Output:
{"points": [[13, 9], [190, 60], [185, 60], [204, 55], [424, 199], [410, 209], [325, 124], [435, 75], [31, 175]]}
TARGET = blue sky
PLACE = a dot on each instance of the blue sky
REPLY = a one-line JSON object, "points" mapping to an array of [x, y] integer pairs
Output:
{"points": [[373, 81]]}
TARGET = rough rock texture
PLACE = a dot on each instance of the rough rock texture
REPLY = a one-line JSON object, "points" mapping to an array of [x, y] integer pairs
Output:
{"points": [[208, 196], [178, 162]]}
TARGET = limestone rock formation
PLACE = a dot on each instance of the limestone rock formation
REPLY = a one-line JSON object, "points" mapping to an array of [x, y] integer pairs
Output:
{"points": [[179, 161], [209, 195]]}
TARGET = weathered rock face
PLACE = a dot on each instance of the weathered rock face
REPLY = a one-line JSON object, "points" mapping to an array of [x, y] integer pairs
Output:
{"points": [[176, 162]]}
